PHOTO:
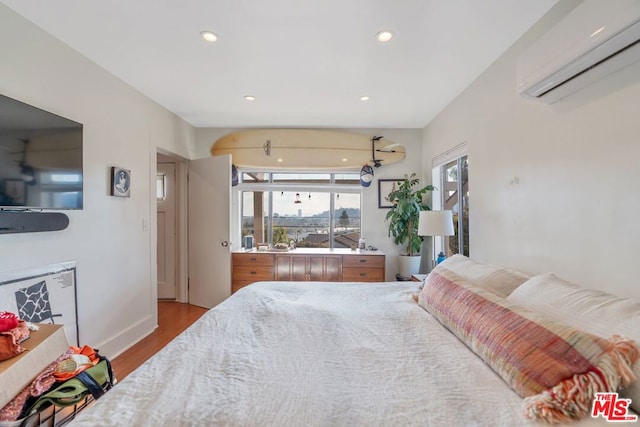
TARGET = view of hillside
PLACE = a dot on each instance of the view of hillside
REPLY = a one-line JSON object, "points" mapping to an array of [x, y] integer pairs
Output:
{"points": [[313, 231]]}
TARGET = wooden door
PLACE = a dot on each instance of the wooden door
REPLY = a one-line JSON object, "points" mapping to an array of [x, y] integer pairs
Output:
{"points": [[283, 267], [332, 268], [316, 268], [299, 269], [325, 268], [292, 268], [166, 214]]}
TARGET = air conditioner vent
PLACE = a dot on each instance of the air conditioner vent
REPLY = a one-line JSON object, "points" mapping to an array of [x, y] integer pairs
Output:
{"points": [[595, 39]]}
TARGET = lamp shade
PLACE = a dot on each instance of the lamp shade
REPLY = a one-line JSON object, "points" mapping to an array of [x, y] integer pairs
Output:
{"points": [[435, 223]]}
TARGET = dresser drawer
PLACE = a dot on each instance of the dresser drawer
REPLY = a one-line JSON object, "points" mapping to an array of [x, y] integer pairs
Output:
{"points": [[252, 273], [366, 261], [252, 259], [362, 274]]}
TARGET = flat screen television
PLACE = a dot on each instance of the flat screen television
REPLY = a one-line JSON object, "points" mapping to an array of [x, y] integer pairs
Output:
{"points": [[40, 158]]}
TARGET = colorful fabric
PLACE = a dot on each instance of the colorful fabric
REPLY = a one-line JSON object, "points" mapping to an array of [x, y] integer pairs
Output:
{"points": [[43, 382], [592, 311], [557, 368], [66, 370], [8, 321], [10, 340]]}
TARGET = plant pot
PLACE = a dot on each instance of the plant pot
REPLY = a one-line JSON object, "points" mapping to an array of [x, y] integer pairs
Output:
{"points": [[408, 265]]}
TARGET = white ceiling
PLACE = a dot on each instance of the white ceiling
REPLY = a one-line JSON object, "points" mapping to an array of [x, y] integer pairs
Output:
{"points": [[307, 62]]}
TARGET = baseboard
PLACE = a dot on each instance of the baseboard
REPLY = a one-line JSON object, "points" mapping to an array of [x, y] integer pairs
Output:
{"points": [[115, 346]]}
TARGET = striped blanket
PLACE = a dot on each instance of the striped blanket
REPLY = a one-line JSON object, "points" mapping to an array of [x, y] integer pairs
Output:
{"points": [[556, 368]]}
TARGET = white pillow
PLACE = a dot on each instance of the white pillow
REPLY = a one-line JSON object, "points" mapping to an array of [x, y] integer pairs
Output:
{"points": [[592, 311], [499, 280]]}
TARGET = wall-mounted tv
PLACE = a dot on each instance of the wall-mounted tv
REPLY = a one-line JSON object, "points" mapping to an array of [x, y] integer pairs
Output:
{"points": [[40, 158]]}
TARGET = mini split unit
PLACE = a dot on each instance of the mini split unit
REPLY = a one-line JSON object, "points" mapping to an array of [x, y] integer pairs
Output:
{"points": [[593, 40]]}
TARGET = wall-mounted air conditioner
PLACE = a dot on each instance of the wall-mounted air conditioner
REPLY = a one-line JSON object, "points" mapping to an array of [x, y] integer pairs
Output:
{"points": [[597, 38]]}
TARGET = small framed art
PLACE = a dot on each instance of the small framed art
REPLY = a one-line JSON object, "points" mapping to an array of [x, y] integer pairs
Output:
{"points": [[120, 182], [386, 186]]}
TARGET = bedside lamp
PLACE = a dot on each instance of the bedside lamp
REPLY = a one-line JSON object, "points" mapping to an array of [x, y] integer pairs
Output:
{"points": [[435, 223]]}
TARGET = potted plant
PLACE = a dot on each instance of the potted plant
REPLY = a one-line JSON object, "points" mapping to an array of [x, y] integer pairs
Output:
{"points": [[403, 221]]}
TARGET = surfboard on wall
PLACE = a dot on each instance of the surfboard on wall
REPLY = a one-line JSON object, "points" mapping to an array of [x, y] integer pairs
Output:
{"points": [[306, 149]]}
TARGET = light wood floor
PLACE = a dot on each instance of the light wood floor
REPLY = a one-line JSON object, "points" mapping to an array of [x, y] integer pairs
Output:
{"points": [[173, 318]]}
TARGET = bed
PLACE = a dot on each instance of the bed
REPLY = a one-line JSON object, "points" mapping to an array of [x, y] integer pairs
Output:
{"points": [[319, 354]]}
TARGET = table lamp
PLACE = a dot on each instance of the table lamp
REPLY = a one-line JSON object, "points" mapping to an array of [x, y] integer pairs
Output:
{"points": [[435, 223]]}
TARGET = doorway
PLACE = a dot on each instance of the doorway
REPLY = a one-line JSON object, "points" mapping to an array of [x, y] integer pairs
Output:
{"points": [[171, 227], [166, 202], [203, 204]]}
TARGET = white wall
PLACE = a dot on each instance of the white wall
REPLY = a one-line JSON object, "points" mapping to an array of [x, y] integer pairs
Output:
{"points": [[374, 227], [112, 239], [552, 187]]}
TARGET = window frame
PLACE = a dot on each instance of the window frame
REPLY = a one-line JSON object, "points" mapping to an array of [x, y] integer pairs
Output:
{"points": [[331, 187], [456, 154]]}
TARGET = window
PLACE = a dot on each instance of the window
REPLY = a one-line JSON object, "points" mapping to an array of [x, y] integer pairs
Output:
{"points": [[314, 210], [456, 198], [451, 178], [161, 187]]}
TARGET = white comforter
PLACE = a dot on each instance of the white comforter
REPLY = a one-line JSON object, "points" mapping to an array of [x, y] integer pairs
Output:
{"points": [[313, 354]]}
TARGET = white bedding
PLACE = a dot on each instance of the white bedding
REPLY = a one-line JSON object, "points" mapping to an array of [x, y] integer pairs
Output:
{"points": [[313, 354]]}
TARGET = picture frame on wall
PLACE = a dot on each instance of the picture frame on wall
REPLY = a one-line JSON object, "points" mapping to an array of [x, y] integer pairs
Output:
{"points": [[386, 186], [120, 182]]}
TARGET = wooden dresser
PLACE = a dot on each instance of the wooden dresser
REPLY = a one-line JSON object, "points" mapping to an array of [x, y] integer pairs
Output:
{"points": [[251, 267], [304, 265]]}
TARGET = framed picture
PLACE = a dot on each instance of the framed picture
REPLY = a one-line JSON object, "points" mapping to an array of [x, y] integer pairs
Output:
{"points": [[386, 186], [16, 191], [120, 182], [44, 294]]}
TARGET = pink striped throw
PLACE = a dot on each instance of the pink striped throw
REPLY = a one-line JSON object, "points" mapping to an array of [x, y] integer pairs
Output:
{"points": [[556, 368]]}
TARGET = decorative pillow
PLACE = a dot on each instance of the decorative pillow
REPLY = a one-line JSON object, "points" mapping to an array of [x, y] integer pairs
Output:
{"points": [[592, 311], [555, 367], [498, 280]]}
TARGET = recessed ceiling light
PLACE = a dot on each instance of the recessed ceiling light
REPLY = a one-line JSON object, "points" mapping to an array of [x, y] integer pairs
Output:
{"points": [[364, 98], [209, 36], [280, 160], [384, 36], [250, 97], [345, 159]]}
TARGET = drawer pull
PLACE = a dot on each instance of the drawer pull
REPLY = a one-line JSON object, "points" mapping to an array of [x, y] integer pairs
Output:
{"points": [[363, 274], [363, 260], [253, 272], [253, 259]]}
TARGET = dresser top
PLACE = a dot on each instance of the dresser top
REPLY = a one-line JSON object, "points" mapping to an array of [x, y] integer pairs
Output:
{"points": [[313, 251]]}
